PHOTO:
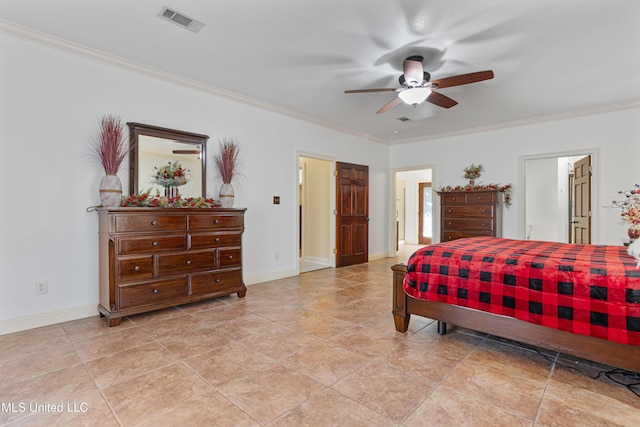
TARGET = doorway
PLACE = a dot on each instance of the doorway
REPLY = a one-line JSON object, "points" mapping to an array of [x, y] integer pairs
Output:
{"points": [[413, 208], [425, 213], [557, 206], [314, 213]]}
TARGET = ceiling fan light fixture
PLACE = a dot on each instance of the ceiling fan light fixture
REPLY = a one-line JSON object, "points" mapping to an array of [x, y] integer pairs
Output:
{"points": [[414, 96]]}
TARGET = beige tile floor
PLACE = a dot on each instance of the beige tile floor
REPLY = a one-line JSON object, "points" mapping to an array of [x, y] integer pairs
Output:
{"points": [[319, 349]]}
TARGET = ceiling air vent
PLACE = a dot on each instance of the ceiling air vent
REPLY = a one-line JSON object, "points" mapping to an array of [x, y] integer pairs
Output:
{"points": [[404, 119], [181, 19]]}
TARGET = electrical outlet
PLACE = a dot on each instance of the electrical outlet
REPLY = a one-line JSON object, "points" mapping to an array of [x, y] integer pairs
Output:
{"points": [[41, 287]]}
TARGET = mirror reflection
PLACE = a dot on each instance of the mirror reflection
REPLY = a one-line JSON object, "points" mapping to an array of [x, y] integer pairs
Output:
{"points": [[154, 147], [156, 152]]}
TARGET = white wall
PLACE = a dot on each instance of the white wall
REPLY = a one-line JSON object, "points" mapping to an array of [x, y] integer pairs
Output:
{"points": [[614, 134], [541, 200], [51, 103]]}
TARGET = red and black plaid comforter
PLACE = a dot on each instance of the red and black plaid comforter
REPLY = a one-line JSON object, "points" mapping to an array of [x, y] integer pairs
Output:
{"points": [[584, 289]]}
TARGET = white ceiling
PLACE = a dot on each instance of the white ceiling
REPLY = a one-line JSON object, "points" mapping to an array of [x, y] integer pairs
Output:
{"points": [[551, 58]]}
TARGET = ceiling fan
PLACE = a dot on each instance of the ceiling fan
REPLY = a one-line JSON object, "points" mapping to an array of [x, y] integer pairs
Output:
{"points": [[416, 87]]}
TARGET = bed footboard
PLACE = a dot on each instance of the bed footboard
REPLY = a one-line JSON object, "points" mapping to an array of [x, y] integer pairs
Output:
{"points": [[595, 349]]}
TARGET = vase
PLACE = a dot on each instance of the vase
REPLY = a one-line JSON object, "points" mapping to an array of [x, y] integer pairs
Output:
{"points": [[171, 192], [472, 183], [110, 191], [633, 234], [226, 195]]}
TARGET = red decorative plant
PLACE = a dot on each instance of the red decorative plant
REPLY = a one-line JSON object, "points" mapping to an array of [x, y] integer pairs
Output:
{"points": [[227, 159], [111, 147]]}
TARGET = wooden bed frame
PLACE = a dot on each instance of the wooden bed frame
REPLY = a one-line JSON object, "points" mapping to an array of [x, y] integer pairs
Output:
{"points": [[595, 349]]}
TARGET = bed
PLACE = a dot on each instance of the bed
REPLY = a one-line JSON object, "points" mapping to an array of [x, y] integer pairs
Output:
{"points": [[581, 300]]}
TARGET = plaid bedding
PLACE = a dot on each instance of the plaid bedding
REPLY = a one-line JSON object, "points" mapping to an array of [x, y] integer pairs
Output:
{"points": [[584, 289]]}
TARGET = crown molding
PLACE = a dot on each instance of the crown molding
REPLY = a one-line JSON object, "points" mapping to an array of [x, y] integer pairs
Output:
{"points": [[48, 40], [518, 123], [31, 35]]}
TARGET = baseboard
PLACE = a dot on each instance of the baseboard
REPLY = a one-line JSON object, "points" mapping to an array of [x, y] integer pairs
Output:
{"points": [[317, 260], [380, 255], [46, 319], [275, 275]]}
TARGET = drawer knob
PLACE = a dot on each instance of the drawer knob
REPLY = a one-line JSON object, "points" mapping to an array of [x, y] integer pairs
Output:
{"points": [[484, 211], [155, 291], [217, 239], [154, 222], [484, 224], [136, 268], [154, 244], [449, 223], [230, 257], [449, 211], [453, 198], [218, 280], [188, 262], [215, 221]]}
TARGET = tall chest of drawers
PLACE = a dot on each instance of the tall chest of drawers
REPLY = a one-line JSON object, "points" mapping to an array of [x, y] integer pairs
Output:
{"points": [[470, 214], [152, 258]]}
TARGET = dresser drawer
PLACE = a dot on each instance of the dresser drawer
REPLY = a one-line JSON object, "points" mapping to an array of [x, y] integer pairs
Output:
{"points": [[186, 262], [133, 245], [467, 211], [215, 240], [135, 295], [481, 197], [209, 283], [138, 268], [230, 258], [453, 235], [212, 222], [465, 224], [452, 198], [151, 222]]}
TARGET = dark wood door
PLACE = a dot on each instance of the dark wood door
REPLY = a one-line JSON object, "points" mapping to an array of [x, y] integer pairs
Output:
{"points": [[352, 214], [581, 221]]}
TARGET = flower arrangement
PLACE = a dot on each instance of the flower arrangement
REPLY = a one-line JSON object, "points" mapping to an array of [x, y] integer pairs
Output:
{"points": [[473, 172], [629, 207], [144, 200], [110, 147], [170, 175], [504, 189], [227, 159]]}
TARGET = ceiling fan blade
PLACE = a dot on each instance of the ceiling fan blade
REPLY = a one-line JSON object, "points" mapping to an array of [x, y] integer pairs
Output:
{"points": [[462, 79], [440, 100], [389, 105], [388, 89]]}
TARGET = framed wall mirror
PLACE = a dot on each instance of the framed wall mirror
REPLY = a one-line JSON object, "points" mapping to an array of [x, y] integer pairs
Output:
{"points": [[153, 146]]}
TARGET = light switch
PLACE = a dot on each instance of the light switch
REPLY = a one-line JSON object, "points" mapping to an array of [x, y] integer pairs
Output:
{"points": [[276, 200]]}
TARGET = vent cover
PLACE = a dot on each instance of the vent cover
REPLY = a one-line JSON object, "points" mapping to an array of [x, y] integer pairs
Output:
{"points": [[181, 19]]}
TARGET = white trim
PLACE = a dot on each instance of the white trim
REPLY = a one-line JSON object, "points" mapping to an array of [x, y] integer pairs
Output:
{"points": [[46, 319], [317, 260], [518, 123], [29, 34], [381, 255], [267, 277]]}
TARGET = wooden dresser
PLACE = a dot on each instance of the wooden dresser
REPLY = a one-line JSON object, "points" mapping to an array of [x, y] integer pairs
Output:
{"points": [[470, 214], [152, 258]]}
